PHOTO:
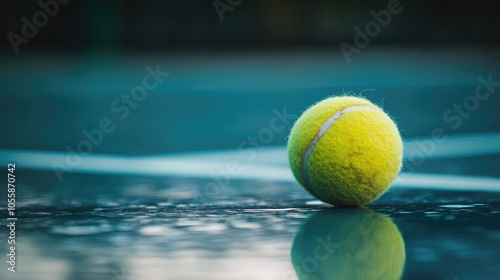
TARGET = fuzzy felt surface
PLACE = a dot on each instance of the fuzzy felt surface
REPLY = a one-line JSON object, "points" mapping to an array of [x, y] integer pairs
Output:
{"points": [[355, 161]]}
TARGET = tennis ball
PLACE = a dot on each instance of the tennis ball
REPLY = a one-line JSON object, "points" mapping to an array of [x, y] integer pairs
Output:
{"points": [[350, 243], [345, 151]]}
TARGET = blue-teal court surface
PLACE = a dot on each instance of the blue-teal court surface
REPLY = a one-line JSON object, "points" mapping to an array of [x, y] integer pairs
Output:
{"points": [[178, 190]]}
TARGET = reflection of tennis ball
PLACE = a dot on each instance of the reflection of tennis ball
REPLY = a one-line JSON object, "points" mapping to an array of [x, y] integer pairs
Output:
{"points": [[345, 151], [348, 244]]}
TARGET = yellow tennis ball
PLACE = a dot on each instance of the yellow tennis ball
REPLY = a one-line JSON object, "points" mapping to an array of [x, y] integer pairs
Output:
{"points": [[348, 244], [345, 151]]}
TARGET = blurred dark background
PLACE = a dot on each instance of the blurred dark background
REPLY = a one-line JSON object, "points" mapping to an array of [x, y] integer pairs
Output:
{"points": [[135, 25]]}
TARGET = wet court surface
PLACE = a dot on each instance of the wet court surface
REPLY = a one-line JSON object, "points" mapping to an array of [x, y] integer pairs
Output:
{"points": [[134, 227]]}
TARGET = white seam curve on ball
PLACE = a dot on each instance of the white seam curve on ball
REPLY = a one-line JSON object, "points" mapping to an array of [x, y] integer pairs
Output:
{"points": [[322, 131]]}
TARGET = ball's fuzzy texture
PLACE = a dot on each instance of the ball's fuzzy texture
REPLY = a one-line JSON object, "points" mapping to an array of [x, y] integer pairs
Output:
{"points": [[345, 151], [348, 244]]}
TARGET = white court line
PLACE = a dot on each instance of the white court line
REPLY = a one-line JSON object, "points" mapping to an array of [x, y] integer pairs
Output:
{"points": [[453, 146], [270, 164], [191, 167]]}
